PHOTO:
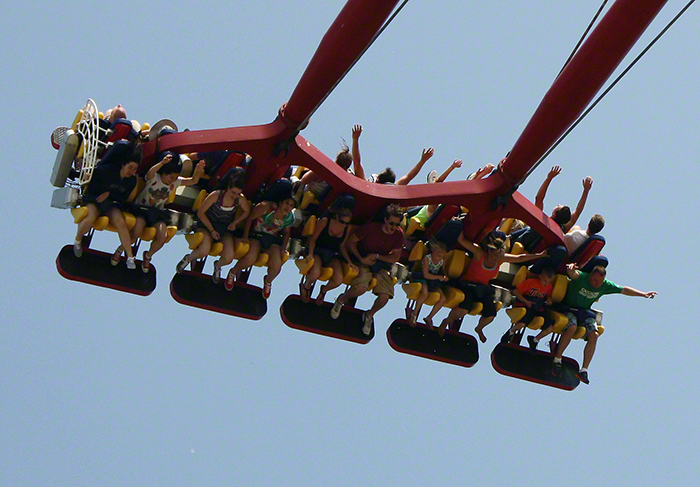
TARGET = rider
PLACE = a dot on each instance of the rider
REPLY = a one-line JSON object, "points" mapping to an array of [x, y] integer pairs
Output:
{"points": [[535, 294], [161, 180], [474, 283], [583, 290], [376, 246]]}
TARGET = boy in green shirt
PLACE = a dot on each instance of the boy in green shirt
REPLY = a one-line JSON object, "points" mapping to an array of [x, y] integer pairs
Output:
{"points": [[584, 290]]}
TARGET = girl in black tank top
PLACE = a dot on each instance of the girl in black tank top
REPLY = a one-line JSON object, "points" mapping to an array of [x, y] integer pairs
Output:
{"points": [[327, 248]]}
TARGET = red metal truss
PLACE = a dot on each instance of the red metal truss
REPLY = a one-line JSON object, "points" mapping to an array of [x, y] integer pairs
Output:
{"points": [[277, 145]]}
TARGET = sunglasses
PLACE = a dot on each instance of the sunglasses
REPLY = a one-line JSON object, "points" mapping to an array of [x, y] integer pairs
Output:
{"points": [[393, 224]]}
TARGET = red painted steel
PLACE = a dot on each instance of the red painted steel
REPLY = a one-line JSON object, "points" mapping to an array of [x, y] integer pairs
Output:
{"points": [[349, 35]]}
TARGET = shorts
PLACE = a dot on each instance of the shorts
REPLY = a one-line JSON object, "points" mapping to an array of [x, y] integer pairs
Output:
{"points": [[581, 317], [385, 284], [267, 240], [433, 284], [477, 293], [221, 228], [531, 314], [105, 205], [151, 214], [327, 255]]}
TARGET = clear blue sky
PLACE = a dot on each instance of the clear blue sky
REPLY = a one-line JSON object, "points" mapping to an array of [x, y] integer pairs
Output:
{"points": [[103, 388]]}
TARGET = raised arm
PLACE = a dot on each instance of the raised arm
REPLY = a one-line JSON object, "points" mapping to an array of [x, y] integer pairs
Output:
{"points": [[587, 184], [156, 167], [515, 259], [630, 291], [455, 164], [408, 177], [539, 199], [483, 171], [356, 159], [470, 246], [198, 171]]}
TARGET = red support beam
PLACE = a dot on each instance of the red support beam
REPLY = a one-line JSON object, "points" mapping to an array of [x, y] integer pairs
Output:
{"points": [[580, 81], [347, 38]]}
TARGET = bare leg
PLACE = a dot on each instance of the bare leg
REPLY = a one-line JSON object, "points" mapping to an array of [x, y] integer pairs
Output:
{"points": [[483, 321], [379, 303], [589, 349], [86, 223], [117, 219], [565, 340], [158, 241]]}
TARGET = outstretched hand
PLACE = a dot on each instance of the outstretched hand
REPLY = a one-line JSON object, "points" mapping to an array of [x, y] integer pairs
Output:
{"points": [[588, 183], [650, 294], [457, 163]]}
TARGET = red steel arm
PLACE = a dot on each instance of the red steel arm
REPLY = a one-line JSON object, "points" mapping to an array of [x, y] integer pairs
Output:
{"points": [[580, 81]]}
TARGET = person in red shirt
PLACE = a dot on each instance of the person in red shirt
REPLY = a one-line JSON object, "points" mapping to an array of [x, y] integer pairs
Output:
{"points": [[474, 283], [535, 294], [375, 247]]}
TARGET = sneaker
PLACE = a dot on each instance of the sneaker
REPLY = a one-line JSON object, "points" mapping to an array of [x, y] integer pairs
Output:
{"points": [[533, 344], [506, 338], [335, 310], [216, 275], [432, 176], [78, 248], [130, 263], [367, 320], [181, 265], [267, 288], [583, 376], [230, 279], [556, 369]]}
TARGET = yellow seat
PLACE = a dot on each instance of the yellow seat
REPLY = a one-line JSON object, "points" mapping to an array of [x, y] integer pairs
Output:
{"points": [[216, 249], [309, 226], [349, 274], [418, 251], [170, 232], [453, 297], [79, 213], [516, 314], [304, 265], [199, 200], [456, 262], [240, 249], [194, 239], [326, 274], [413, 225], [412, 290], [307, 200]]}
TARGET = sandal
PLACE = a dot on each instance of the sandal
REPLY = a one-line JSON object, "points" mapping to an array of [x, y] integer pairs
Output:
{"points": [[116, 256], [321, 298], [146, 262], [304, 292]]}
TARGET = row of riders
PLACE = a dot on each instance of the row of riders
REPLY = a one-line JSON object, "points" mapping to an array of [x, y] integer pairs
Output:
{"points": [[361, 256]]}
